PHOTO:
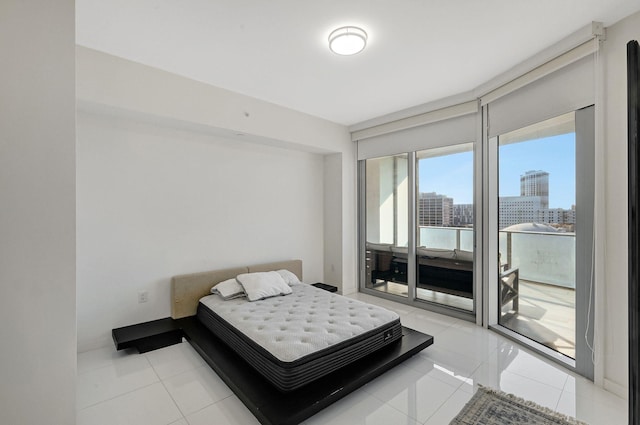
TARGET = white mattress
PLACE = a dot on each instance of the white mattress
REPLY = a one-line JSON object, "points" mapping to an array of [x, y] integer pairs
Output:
{"points": [[298, 325]]}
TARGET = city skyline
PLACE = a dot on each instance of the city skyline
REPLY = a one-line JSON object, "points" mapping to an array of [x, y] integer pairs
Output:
{"points": [[555, 155], [452, 175]]}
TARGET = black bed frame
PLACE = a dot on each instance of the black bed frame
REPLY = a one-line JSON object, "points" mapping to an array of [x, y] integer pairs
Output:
{"points": [[633, 103], [272, 407]]}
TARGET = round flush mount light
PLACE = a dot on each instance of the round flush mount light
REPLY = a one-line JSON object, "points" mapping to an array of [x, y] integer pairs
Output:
{"points": [[347, 40]]}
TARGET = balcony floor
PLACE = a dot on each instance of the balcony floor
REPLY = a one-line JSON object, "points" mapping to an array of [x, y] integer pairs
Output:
{"points": [[546, 313]]}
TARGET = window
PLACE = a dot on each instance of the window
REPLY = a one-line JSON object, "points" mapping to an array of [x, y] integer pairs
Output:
{"points": [[537, 232], [541, 236], [444, 253], [417, 221]]}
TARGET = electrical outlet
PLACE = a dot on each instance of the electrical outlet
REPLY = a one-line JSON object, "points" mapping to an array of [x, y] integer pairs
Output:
{"points": [[143, 296]]}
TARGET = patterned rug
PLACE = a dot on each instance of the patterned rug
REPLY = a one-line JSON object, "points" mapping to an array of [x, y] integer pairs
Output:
{"points": [[493, 407]]}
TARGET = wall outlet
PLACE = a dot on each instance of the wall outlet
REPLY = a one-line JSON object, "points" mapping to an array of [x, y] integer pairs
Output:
{"points": [[143, 296]]}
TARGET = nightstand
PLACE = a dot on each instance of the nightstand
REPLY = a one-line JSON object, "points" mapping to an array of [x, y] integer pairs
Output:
{"points": [[148, 336], [326, 287]]}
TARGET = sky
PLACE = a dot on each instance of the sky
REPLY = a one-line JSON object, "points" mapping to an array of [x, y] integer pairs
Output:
{"points": [[452, 175]]}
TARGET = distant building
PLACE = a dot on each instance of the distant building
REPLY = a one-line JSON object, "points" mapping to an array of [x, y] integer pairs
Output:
{"points": [[532, 206], [536, 183], [518, 209], [462, 215], [435, 210], [557, 216]]}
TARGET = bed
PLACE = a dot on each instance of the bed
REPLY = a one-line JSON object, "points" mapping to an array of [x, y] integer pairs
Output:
{"points": [[292, 381]]}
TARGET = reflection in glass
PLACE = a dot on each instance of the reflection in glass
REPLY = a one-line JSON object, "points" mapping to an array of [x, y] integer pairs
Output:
{"points": [[386, 215]]}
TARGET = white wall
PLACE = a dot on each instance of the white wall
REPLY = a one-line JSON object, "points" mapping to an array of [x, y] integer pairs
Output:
{"points": [[332, 216], [349, 191], [176, 176], [154, 201], [37, 213], [340, 233], [108, 80], [614, 317]]}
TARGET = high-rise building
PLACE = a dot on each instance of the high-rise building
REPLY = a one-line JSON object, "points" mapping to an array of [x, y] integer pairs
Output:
{"points": [[518, 209], [532, 206], [536, 183], [462, 215], [435, 210]]}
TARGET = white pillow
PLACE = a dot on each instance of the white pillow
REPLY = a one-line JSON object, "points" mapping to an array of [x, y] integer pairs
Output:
{"points": [[263, 285], [289, 277], [228, 289]]}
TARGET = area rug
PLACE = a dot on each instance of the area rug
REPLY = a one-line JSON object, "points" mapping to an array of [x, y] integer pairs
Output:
{"points": [[493, 407]]}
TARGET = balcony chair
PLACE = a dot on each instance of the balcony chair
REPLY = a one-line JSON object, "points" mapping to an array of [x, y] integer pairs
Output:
{"points": [[509, 287]]}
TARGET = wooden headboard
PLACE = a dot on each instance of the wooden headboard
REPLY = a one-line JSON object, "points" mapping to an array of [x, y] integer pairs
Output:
{"points": [[187, 289]]}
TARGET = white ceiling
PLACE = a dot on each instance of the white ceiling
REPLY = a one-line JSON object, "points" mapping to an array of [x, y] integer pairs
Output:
{"points": [[418, 50]]}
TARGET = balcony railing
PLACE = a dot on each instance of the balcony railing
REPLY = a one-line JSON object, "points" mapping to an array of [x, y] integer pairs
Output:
{"points": [[548, 258], [459, 238]]}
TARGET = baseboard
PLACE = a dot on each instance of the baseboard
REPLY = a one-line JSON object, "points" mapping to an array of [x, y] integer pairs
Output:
{"points": [[617, 389]]}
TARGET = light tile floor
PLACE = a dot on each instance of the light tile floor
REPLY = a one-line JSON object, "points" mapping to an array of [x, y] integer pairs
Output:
{"points": [[173, 386], [546, 314]]}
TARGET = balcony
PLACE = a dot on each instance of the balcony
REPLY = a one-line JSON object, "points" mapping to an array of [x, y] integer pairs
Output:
{"points": [[547, 287], [546, 268], [546, 264]]}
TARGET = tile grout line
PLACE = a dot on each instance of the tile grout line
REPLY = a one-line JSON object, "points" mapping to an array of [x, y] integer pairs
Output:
{"points": [[183, 416], [562, 392], [442, 405], [119, 395], [111, 362], [392, 407]]}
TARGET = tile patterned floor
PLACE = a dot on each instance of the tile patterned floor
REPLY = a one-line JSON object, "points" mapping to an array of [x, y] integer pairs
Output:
{"points": [[173, 386]]}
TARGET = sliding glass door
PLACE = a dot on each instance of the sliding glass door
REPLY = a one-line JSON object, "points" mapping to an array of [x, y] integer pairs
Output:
{"points": [[417, 215], [445, 215], [537, 232], [386, 202], [544, 227]]}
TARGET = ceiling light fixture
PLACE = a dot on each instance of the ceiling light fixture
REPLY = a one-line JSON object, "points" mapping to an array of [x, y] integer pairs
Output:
{"points": [[347, 40]]}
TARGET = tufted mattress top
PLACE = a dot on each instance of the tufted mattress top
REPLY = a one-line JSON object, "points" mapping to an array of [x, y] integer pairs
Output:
{"points": [[297, 338]]}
